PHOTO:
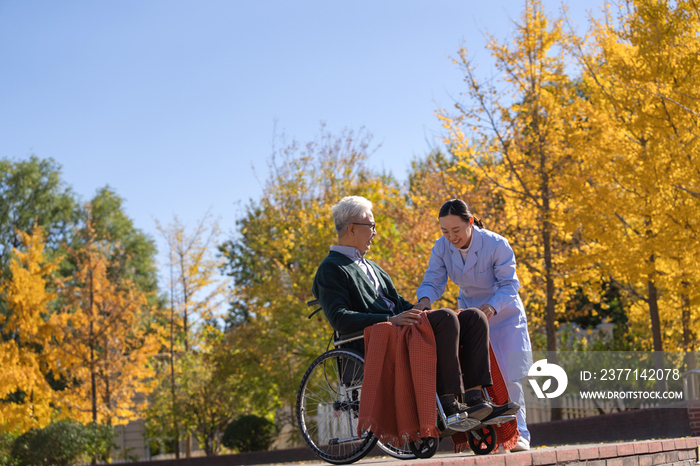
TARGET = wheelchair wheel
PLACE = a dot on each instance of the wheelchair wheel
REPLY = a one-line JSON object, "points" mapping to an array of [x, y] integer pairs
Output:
{"points": [[328, 405], [402, 453], [483, 440], [425, 447]]}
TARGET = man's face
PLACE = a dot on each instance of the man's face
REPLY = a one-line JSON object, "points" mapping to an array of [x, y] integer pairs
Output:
{"points": [[362, 232]]}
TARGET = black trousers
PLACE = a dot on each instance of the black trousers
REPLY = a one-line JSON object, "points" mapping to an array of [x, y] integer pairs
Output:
{"points": [[462, 350]]}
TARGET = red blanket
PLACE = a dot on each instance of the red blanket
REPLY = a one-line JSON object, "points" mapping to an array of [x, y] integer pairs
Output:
{"points": [[398, 390]]}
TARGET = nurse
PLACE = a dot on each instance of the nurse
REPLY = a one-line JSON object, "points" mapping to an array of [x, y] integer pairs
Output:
{"points": [[482, 264]]}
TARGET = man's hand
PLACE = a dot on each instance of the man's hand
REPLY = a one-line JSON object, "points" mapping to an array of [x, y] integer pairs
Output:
{"points": [[488, 310], [422, 305], [409, 317]]}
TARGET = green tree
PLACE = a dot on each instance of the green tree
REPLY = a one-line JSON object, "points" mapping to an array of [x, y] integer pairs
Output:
{"points": [[207, 390], [33, 193], [274, 254], [134, 256], [195, 295], [210, 397]]}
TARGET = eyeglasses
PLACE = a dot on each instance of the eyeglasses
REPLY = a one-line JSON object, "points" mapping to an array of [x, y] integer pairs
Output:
{"points": [[371, 225]]}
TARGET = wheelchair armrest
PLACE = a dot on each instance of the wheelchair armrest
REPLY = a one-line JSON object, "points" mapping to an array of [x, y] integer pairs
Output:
{"points": [[348, 337]]}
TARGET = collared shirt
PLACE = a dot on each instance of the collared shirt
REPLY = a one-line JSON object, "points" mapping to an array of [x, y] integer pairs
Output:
{"points": [[464, 252], [358, 258]]}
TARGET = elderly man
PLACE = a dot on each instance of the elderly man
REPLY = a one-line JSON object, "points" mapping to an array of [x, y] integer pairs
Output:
{"points": [[355, 293]]}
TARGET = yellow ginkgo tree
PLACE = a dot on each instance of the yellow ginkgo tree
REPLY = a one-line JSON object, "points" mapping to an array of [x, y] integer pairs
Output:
{"points": [[639, 161], [106, 346], [513, 131], [27, 353]]}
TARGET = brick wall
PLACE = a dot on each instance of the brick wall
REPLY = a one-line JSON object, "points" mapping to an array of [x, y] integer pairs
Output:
{"points": [[638, 424], [694, 417]]}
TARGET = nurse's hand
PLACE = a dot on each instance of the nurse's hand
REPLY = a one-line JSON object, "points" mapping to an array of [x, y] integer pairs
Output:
{"points": [[422, 305], [409, 317], [488, 310]]}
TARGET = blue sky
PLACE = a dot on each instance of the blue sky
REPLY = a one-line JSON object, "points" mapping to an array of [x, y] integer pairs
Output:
{"points": [[173, 103]]}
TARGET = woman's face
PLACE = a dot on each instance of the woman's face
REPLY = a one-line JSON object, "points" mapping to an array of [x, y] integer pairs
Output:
{"points": [[457, 231]]}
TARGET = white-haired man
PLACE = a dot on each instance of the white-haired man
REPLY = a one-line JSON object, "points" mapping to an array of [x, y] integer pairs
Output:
{"points": [[356, 293]]}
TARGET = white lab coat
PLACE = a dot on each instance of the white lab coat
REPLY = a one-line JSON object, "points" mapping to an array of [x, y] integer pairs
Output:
{"points": [[487, 277]]}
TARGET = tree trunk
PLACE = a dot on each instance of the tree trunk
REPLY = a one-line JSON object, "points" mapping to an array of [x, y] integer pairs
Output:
{"points": [[93, 383], [108, 452], [209, 444], [654, 315], [92, 353], [184, 298], [656, 331], [550, 324], [172, 359], [549, 284], [107, 398], [688, 336]]}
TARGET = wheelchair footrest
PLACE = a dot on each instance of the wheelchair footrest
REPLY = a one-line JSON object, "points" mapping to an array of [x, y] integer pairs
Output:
{"points": [[497, 421], [340, 441], [461, 422]]}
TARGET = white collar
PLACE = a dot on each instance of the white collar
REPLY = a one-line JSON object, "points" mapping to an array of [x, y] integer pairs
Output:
{"points": [[348, 251]]}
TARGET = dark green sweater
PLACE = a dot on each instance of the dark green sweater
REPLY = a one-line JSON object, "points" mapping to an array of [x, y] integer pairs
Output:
{"points": [[348, 297]]}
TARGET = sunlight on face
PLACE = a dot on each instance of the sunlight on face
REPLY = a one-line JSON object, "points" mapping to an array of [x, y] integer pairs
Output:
{"points": [[457, 231], [362, 234]]}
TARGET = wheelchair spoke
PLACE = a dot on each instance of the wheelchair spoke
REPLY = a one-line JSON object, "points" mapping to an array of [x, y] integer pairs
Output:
{"points": [[328, 408]]}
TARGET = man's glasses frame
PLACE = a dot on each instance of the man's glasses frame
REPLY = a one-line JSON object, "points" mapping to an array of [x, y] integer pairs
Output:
{"points": [[373, 226]]}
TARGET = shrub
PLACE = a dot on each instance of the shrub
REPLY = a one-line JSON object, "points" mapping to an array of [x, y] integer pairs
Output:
{"points": [[6, 440], [100, 441], [249, 433], [61, 443]]}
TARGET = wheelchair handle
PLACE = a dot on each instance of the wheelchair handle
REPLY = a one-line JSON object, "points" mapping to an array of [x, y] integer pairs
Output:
{"points": [[313, 302]]}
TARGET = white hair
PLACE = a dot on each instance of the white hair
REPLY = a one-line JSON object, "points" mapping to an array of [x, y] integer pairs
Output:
{"points": [[348, 209]]}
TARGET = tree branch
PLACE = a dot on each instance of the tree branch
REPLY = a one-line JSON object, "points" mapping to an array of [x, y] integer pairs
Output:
{"points": [[692, 193]]}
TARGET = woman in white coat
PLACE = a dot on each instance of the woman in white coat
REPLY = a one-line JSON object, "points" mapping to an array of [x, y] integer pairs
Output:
{"points": [[482, 264]]}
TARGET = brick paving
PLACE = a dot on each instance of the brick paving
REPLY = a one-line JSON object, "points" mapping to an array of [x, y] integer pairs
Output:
{"points": [[676, 452]]}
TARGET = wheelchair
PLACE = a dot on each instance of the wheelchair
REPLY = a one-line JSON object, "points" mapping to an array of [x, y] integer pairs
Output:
{"points": [[328, 407]]}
